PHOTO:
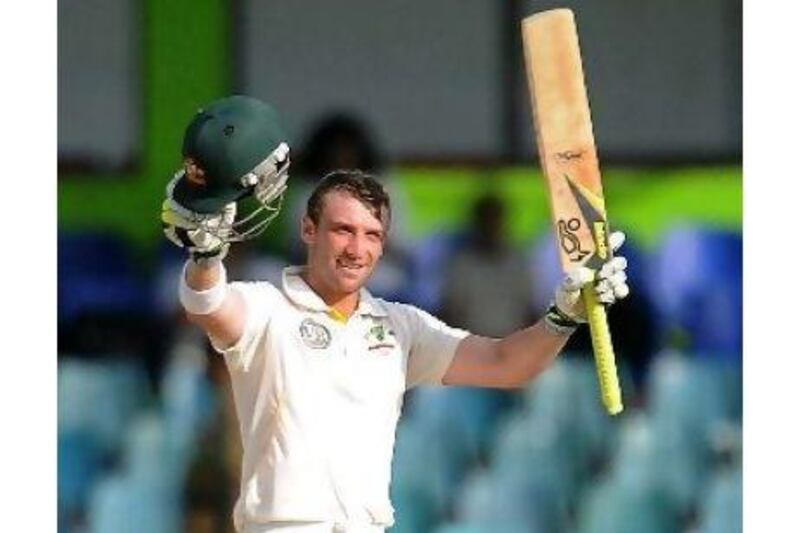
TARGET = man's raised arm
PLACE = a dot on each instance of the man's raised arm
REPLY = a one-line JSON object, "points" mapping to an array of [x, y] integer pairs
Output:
{"points": [[233, 149]]}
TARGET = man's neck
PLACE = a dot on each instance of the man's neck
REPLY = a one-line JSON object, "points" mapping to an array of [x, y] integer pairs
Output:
{"points": [[343, 304]]}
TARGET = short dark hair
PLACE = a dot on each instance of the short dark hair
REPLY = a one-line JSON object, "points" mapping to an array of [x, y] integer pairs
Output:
{"points": [[360, 185]]}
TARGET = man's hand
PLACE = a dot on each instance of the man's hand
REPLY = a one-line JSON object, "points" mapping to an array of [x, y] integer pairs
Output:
{"points": [[204, 236], [610, 285]]}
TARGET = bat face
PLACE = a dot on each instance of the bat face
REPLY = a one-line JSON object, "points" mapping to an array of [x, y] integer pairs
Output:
{"points": [[564, 137]]}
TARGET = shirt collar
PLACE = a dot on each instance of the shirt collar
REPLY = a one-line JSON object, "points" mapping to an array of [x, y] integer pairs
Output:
{"points": [[299, 292]]}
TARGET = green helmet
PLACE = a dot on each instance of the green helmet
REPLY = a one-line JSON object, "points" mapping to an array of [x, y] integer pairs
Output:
{"points": [[234, 148]]}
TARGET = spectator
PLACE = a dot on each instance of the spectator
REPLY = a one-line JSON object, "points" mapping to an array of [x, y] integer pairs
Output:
{"points": [[488, 286]]}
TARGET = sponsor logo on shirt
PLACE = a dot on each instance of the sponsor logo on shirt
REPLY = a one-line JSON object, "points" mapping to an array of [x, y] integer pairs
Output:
{"points": [[314, 334], [379, 346]]}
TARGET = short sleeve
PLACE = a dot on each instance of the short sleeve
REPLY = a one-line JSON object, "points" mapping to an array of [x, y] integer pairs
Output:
{"points": [[260, 302], [433, 345]]}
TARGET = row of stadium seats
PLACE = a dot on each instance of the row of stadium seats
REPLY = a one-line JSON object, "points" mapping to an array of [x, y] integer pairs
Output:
{"points": [[545, 458], [550, 460], [692, 284], [611, 510], [146, 493], [123, 449]]}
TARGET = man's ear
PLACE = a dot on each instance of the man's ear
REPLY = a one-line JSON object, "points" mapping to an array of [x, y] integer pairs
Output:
{"points": [[308, 230]]}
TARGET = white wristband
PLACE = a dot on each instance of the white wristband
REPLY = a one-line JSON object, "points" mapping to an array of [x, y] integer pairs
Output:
{"points": [[207, 301]]}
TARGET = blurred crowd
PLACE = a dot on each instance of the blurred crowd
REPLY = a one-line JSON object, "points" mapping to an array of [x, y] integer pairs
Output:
{"points": [[147, 435]]}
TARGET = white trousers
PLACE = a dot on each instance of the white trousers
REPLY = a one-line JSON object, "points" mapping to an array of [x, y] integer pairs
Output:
{"points": [[312, 527]]}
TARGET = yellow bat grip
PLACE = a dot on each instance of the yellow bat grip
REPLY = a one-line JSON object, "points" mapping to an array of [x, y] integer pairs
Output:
{"points": [[603, 353]]}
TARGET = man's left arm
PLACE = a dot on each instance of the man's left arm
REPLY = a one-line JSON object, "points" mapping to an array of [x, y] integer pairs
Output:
{"points": [[518, 358], [504, 363]]}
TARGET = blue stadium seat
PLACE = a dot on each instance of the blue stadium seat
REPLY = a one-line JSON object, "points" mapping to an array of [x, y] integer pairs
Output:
{"points": [[721, 509], [96, 273], [681, 463], [475, 496], [188, 396], [726, 443], [429, 265], [428, 466], [496, 525], [153, 453], [610, 508], [470, 413], [121, 504], [696, 282], [656, 459], [567, 394], [546, 452], [634, 496], [80, 464], [100, 397], [519, 496], [596, 427], [414, 510], [694, 394]]}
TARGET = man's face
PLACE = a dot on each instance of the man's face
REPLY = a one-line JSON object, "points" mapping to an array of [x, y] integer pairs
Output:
{"points": [[345, 245]]}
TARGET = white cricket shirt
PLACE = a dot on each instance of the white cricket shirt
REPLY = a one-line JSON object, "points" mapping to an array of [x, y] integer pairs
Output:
{"points": [[318, 400]]}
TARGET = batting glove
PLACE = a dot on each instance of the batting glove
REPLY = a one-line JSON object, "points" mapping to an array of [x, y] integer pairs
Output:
{"points": [[610, 284], [203, 236]]}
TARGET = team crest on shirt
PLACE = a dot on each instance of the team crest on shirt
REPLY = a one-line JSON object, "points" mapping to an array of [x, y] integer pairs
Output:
{"points": [[378, 337], [314, 334]]}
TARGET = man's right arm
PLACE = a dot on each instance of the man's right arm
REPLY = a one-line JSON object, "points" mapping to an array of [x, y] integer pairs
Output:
{"points": [[226, 323], [204, 291]]}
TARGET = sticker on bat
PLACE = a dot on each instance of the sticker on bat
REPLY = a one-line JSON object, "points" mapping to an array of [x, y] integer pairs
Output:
{"points": [[568, 155], [600, 239], [569, 241]]}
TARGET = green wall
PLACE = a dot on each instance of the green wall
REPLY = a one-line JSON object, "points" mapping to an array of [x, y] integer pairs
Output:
{"points": [[643, 202], [188, 61]]}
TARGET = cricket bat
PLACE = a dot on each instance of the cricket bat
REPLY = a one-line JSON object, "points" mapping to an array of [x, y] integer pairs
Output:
{"points": [[568, 158]]}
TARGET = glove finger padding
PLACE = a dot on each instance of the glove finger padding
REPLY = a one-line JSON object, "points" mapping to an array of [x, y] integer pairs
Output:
{"points": [[612, 281], [621, 291], [200, 234], [605, 296], [616, 240], [617, 264]]}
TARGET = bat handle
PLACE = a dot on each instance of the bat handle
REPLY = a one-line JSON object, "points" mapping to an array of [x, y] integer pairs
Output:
{"points": [[603, 353]]}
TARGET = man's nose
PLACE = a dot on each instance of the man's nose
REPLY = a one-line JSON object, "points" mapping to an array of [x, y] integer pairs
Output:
{"points": [[355, 245]]}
